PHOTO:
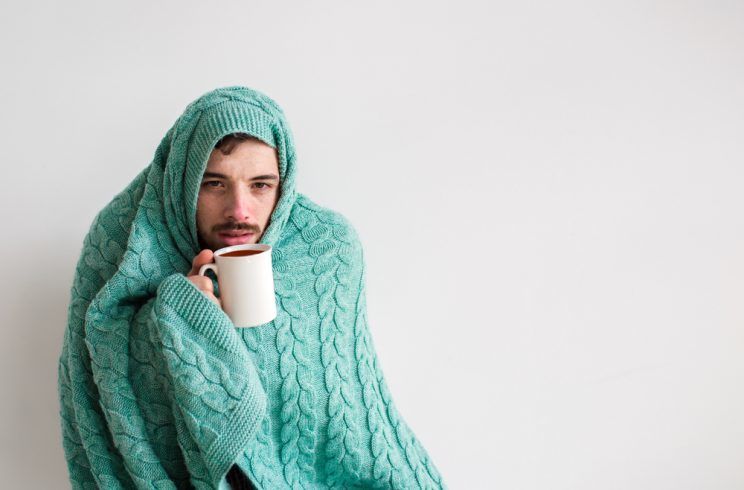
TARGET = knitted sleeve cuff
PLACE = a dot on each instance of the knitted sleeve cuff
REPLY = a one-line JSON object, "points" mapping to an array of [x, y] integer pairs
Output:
{"points": [[199, 311]]}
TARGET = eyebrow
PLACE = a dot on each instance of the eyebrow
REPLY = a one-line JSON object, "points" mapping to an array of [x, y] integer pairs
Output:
{"points": [[223, 176]]}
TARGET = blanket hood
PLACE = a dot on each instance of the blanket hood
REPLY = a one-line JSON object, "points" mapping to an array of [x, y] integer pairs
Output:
{"points": [[185, 149]]}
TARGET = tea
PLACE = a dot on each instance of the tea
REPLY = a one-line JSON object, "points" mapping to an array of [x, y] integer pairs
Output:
{"points": [[241, 253]]}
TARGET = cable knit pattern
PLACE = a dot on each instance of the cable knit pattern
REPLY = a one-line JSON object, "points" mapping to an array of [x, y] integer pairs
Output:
{"points": [[259, 455], [332, 262], [297, 412], [157, 387]]}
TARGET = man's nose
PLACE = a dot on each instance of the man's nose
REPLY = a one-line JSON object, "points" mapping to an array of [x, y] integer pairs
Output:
{"points": [[240, 205]]}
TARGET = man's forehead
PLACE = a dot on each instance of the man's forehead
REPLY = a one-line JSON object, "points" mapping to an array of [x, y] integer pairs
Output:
{"points": [[220, 175], [244, 163]]}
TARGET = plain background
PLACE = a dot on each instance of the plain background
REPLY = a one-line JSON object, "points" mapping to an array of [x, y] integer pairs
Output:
{"points": [[549, 195]]}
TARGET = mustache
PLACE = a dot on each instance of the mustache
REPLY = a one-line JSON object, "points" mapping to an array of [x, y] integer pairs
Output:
{"points": [[226, 227]]}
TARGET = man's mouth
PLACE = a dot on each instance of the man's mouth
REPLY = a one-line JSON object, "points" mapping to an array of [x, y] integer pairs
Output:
{"points": [[236, 237]]}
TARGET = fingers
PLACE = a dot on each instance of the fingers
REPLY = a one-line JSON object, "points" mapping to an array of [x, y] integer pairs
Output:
{"points": [[215, 299], [204, 283], [206, 256]]}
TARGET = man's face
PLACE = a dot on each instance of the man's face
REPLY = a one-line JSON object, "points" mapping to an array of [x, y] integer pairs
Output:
{"points": [[237, 195]]}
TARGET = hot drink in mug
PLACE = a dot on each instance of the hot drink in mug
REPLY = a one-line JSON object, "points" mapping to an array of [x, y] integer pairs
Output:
{"points": [[246, 281]]}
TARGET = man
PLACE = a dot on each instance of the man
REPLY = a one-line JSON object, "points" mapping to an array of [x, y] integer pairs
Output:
{"points": [[158, 389]]}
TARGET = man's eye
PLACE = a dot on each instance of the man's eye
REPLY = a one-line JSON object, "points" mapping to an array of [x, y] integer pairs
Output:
{"points": [[264, 184], [212, 183]]}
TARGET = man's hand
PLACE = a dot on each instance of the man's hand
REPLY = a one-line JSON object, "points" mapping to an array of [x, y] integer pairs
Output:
{"points": [[204, 283]]}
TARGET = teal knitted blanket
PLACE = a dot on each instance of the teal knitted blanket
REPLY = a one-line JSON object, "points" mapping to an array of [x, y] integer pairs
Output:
{"points": [[158, 389]]}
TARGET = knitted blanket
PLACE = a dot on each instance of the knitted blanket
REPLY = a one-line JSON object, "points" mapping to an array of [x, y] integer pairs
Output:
{"points": [[157, 387]]}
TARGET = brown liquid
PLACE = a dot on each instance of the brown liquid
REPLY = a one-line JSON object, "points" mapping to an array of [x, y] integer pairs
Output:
{"points": [[242, 253]]}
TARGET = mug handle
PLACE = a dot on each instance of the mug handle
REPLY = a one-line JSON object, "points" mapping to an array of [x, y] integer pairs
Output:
{"points": [[207, 267]]}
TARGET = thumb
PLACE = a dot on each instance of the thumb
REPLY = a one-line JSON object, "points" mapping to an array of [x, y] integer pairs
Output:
{"points": [[206, 256]]}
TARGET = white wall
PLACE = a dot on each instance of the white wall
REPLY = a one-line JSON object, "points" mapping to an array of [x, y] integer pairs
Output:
{"points": [[549, 196]]}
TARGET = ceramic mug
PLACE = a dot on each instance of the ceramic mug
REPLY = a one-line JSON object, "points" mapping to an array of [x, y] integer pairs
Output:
{"points": [[246, 283]]}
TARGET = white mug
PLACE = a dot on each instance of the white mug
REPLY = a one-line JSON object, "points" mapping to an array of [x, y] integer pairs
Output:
{"points": [[246, 283]]}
